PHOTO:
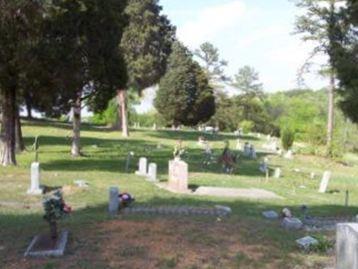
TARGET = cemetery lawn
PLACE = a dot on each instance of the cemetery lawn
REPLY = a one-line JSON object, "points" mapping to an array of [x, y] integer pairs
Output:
{"points": [[243, 240]]}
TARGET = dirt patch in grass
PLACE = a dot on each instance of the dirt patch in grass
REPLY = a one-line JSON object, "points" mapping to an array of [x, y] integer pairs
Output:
{"points": [[169, 243]]}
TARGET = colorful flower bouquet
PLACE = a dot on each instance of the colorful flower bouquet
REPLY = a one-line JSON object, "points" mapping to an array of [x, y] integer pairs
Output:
{"points": [[55, 209], [125, 199]]}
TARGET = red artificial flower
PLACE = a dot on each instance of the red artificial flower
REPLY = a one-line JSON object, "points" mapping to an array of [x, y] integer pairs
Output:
{"points": [[67, 209]]}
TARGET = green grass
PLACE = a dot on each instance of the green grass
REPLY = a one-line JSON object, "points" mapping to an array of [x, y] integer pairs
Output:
{"points": [[103, 166]]}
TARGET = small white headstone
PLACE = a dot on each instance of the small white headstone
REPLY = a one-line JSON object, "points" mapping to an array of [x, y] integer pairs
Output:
{"points": [[152, 172], [35, 179], [178, 175], [238, 145], [142, 167], [324, 182], [289, 155], [277, 173]]}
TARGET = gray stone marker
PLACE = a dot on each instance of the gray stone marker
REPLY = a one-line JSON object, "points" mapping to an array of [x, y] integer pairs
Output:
{"points": [[324, 182], [247, 150], [292, 223], [35, 179], [347, 246], [152, 172], [270, 214], [142, 169], [178, 175], [128, 161], [306, 242], [113, 204]]}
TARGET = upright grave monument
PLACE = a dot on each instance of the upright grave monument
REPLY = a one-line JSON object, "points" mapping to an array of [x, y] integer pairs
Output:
{"points": [[178, 175]]}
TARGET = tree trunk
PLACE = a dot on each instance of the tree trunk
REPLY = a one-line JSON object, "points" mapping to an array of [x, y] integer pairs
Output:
{"points": [[28, 104], [20, 145], [330, 116], [9, 110], [122, 111], [76, 124]]}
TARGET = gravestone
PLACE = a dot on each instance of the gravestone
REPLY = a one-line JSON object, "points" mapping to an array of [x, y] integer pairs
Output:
{"points": [[152, 172], [324, 182], [347, 246], [238, 145], [277, 173], [128, 161], [142, 167], [306, 242], [292, 223], [252, 152], [289, 155], [178, 175], [113, 204], [264, 166], [270, 214], [247, 150], [35, 179]]}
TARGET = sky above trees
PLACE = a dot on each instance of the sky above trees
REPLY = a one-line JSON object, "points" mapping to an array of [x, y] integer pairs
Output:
{"points": [[247, 32]]}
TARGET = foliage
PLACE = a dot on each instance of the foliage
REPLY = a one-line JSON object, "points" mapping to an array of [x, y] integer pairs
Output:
{"points": [[345, 55], [209, 57], [247, 82], [146, 43], [184, 95], [324, 244], [247, 126], [54, 206], [287, 138]]}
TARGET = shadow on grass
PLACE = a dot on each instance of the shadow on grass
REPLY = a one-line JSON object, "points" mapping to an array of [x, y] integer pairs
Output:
{"points": [[111, 156], [245, 224], [191, 135]]}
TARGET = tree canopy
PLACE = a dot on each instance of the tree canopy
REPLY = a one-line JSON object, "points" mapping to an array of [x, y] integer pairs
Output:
{"points": [[184, 95]]}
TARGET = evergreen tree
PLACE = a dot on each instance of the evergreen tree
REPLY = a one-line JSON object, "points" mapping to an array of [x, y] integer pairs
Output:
{"points": [[146, 45], [346, 57], [86, 36], [184, 95], [20, 24]]}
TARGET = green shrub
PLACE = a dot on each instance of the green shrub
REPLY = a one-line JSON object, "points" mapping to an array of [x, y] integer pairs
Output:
{"points": [[247, 125], [287, 138]]}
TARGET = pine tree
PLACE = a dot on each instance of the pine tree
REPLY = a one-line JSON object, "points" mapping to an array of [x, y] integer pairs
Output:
{"points": [[184, 95], [146, 45]]}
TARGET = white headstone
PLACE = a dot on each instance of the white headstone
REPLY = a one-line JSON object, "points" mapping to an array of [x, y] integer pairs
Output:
{"points": [[347, 246], [289, 155], [178, 175], [324, 182], [277, 173], [142, 167], [113, 204], [152, 172], [35, 179], [238, 145], [247, 150]]}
